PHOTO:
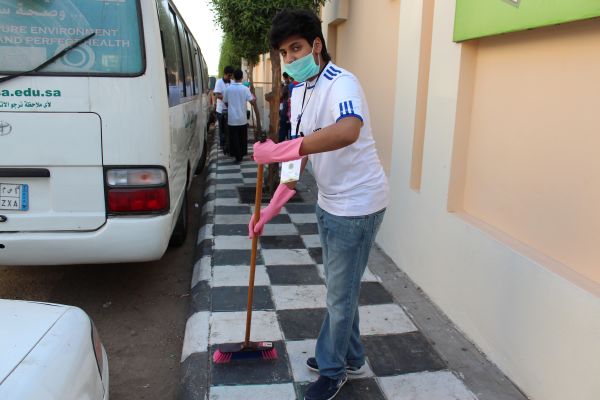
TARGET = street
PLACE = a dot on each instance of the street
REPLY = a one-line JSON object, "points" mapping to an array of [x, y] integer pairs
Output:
{"points": [[140, 310]]}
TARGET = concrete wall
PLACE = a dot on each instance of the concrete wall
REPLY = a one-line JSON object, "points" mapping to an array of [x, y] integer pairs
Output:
{"points": [[465, 232], [532, 167], [362, 37], [262, 78]]}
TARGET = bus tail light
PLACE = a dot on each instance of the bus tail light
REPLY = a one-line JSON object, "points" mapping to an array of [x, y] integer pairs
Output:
{"points": [[137, 191], [138, 200]]}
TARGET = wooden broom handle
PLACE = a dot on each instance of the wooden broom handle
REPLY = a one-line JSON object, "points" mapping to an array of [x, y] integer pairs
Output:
{"points": [[257, 204]]}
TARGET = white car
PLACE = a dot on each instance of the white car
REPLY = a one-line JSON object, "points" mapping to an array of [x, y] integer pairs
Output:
{"points": [[50, 352]]}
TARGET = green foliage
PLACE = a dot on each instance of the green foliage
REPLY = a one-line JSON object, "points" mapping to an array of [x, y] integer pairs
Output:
{"points": [[230, 54], [248, 22]]}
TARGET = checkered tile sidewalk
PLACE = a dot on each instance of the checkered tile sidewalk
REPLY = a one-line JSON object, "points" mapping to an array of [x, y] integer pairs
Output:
{"points": [[289, 307]]}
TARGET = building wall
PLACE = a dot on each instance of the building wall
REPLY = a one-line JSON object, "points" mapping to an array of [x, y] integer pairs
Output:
{"points": [[261, 74], [506, 159], [363, 38], [532, 168]]}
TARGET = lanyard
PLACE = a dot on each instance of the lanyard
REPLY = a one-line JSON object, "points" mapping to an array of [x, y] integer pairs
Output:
{"points": [[303, 107]]}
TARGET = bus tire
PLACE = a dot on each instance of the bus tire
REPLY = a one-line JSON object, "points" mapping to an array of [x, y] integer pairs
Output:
{"points": [[202, 161], [180, 232]]}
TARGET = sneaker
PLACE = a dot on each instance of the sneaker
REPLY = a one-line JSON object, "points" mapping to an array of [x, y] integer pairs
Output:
{"points": [[324, 388], [311, 363]]}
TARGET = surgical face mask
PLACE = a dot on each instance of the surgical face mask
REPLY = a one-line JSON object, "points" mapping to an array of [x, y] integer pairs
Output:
{"points": [[303, 68]]}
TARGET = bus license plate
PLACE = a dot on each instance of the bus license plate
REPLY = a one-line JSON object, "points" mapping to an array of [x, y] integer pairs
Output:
{"points": [[14, 197]]}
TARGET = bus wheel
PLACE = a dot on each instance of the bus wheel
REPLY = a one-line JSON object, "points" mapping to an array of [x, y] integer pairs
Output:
{"points": [[181, 228], [202, 161]]}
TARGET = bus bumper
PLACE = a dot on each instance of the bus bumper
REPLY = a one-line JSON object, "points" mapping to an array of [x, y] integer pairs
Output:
{"points": [[123, 239]]}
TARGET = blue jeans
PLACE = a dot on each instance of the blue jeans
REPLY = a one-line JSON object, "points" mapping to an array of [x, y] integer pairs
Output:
{"points": [[223, 139], [346, 242]]}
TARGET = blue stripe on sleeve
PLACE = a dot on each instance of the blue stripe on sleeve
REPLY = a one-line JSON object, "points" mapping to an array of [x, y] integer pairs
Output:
{"points": [[346, 107], [331, 72], [341, 109], [335, 70], [351, 108], [350, 115]]}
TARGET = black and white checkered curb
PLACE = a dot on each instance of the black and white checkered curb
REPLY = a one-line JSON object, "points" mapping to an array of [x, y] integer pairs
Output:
{"points": [[195, 365]]}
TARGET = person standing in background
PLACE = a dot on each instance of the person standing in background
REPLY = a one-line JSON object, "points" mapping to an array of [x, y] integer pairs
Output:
{"points": [[236, 97], [284, 108], [220, 88]]}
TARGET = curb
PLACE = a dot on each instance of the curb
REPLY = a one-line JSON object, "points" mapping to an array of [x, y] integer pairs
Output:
{"points": [[195, 360]]}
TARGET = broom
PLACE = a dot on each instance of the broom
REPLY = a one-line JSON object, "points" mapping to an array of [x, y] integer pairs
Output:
{"points": [[247, 349]]}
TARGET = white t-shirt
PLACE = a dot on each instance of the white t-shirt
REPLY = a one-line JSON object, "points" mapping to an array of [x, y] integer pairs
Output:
{"points": [[220, 87], [236, 96], [351, 180]]}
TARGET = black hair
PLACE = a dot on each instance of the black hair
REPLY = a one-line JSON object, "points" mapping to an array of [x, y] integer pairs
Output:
{"points": [[304, 23], [228, 70], [238, 74], [285, 75]]}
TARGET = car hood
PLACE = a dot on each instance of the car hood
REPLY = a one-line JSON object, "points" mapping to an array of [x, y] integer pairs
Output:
{"points": [[22, 325]]}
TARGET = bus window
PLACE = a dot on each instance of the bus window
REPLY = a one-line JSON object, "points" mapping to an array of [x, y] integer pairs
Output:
{"points": [[182, 68], [191, 51], [31, 32], [198, 65], [206, 78], [168, 33], [186, 58]]}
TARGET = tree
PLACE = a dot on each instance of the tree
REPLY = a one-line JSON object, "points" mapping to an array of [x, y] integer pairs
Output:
{"points": [[248, 23], [230, 54]]}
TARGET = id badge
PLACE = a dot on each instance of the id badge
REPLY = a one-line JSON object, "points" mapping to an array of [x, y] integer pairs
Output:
{"points": [[290, 171]]}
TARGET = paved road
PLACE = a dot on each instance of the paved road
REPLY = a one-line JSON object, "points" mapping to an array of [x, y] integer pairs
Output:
{"points": [[140, 310]]}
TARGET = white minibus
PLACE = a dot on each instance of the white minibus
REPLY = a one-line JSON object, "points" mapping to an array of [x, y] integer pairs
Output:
{"points": [[103, 123]]}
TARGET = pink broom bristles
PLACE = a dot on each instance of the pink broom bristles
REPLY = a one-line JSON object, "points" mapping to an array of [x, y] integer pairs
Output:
{"points": [[269, 354], [221, 358]]}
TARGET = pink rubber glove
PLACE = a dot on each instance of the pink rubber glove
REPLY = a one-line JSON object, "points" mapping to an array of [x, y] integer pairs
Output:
{"points": [[270, 152], [282, 195]]}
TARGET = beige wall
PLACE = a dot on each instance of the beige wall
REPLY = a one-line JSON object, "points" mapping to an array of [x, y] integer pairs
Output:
{"points": [[532, 168], [367, 46], [262, 78], [537, 320]]}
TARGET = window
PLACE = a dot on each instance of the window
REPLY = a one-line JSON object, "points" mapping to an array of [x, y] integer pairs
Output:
{"points": [[191, 51], [200, 73], [172, 57], [31, 32], [181, 66], [204, 70], [185, 57]]}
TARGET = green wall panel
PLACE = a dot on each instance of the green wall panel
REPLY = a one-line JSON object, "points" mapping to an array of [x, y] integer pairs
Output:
{"points": [[478, 18]]}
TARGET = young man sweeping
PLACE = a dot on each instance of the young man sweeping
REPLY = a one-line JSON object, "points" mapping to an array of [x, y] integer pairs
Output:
{"points": [[331, 119]]}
